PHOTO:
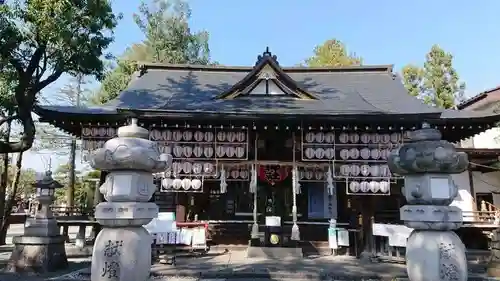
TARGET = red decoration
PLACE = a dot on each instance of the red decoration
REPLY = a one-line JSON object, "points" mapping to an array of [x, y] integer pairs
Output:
{"points": [[273, 173]]}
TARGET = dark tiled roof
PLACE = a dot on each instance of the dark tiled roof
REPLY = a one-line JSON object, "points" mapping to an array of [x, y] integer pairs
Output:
{"points": [[340, 92], [362, 90]]}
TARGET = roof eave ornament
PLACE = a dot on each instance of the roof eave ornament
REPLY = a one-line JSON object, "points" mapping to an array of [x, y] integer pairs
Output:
{"points": [[266, 54]]}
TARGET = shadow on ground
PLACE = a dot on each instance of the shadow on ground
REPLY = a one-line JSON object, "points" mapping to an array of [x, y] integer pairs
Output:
{"points": [[28, 276]]}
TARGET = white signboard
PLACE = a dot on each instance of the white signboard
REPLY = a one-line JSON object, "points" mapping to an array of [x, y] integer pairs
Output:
{"points": [[273, 221], [387, 230], [397, 234], [398, 240], [165, 222], [343, 237], [186, 236], [199, 239]]}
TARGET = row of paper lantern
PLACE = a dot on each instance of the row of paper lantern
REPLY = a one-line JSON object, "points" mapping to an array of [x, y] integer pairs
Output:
{"points": [[187, 151], [365, 170], [311, 174], [365, 153], [191, 168], [346, 154], [370, 186], [233, 173], [99, 132], [199, 136], [178, 184], [329, 137], [370, 138], [92, 144]]}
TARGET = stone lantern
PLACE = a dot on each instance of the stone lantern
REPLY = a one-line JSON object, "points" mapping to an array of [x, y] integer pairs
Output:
{"points": [[41, 248], [122, 249], [433, 250]]}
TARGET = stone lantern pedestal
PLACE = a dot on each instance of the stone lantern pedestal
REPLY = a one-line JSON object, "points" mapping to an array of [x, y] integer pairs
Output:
{"points": [[122, 250], [433, 250], [41, 248]]}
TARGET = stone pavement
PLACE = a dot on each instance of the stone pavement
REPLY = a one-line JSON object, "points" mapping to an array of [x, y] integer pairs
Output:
{"points": [[219, 266], [234, 265]]}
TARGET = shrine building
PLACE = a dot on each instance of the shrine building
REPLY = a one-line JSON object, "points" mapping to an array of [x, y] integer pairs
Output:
{"points": [[304, 145]]}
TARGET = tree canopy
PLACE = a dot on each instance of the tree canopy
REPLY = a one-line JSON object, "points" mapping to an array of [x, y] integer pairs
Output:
{"points": [[42, 39], [437, 83], [168, 39], [332, 53]]}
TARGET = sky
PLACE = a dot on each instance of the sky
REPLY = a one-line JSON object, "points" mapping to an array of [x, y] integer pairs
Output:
{"points": [[382, 32]]}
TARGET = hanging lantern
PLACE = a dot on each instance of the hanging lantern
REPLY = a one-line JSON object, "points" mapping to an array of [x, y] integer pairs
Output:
{"points": [[253, 180], [223, 184]]}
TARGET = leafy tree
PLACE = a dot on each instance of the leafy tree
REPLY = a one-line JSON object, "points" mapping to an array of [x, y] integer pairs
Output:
{"points": [[412, 81], [437, 83], [332, 53], [83, 192], [42, 39], [168, 40], [26, 179]]}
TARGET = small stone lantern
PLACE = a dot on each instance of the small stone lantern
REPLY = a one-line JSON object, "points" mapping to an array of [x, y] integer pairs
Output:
{"points": [[41, 248], [45, 191]]}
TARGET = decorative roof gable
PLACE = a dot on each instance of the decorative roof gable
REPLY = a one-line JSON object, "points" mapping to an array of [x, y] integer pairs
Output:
{"points": [[267, 79]]}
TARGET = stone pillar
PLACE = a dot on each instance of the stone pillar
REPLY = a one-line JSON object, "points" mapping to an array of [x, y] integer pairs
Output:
{"points": [[41, 248], [433, 250], [122, 250]]}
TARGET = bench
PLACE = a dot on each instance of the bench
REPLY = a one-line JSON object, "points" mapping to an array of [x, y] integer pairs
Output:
{"points": [[82, 224]]}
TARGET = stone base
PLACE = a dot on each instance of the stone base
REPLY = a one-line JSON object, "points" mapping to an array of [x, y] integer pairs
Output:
{"points": [[121, 254], [41, 227], [435, 255], [37, 254], [274, 252]]}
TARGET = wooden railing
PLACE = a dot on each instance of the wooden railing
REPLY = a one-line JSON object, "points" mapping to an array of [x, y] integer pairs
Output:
{"points": [[71, 211], [480, 217]]}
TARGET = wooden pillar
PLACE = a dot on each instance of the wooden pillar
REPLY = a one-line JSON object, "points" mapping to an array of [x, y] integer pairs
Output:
{"points": [[181, 208], [471, 190], [367, 213]]}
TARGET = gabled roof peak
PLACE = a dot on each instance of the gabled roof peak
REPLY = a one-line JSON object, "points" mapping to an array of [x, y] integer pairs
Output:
{"points": [[267, 79], [266, 55]]}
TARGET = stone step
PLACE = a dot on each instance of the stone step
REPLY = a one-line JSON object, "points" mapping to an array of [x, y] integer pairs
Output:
{"points": [[274, 252]]}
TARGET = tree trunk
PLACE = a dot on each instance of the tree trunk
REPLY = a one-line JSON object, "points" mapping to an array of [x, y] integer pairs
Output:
{"points": [[4, 181], [70, 192], [11, 200]]}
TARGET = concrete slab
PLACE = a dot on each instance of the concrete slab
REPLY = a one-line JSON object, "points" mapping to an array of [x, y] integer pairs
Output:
{"points": [[274, 253]]}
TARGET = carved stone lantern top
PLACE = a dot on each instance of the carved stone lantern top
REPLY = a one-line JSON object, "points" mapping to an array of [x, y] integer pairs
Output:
{"points": [[131, 150], [46, 185], [426, 152], [47, 182], [133, 131]]}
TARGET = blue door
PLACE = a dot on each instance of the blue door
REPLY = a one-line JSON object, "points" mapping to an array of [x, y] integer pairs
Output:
{"points": [[316, 202]]}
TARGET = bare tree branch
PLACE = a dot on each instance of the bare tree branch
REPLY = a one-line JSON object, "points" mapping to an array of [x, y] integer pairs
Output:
{"points": [[7, 119], [44, 83]]}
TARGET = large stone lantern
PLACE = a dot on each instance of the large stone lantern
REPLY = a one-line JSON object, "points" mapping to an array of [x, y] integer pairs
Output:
{"points": [[41, 248], [122, 250], [433, 250]]}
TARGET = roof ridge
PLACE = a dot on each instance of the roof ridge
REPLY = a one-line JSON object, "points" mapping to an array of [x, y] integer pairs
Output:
{"points": [[476, 98], [144, 66]]}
